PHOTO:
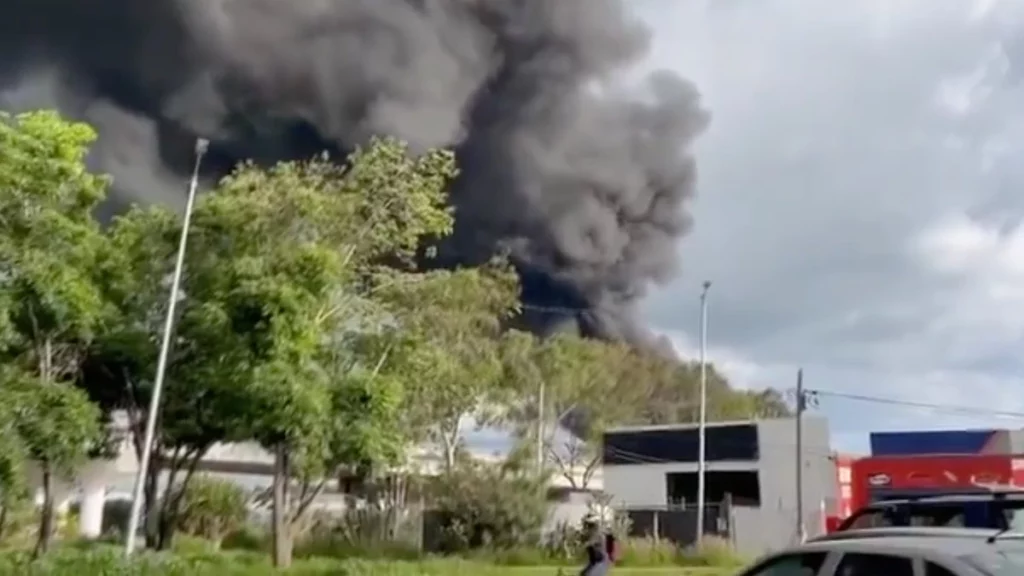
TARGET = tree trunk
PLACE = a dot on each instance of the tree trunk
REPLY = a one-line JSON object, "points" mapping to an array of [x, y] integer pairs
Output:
{"points": [[450, 442], [174, 491], [165, 530], [4, 512], [279, 513], [151, 509], [45, 538]]}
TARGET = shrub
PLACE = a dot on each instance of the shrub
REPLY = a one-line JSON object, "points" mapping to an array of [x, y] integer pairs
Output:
{"points": [[248, 538], [649, 552], [211, 509], [713, 551], [487, 506], [20, 525], [371, 532]]}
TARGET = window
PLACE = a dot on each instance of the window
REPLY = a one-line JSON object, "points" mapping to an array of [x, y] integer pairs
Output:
{"points": [[875, 565], [902, 515], [933, 569], [807, 564]]}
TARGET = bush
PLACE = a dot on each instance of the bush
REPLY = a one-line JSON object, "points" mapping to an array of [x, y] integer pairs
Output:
{"points": [[649, 552], [248, 538], [371, 532], [487, 506], [20, 525], [713, 551], [211, 509]]}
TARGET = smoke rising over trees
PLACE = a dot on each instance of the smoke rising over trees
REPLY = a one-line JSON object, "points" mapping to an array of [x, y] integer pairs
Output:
{"points": [[584, 181]]}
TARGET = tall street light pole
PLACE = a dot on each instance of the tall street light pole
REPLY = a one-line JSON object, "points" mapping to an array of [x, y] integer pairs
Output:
{"points": [[161, 368], [702, 425]]}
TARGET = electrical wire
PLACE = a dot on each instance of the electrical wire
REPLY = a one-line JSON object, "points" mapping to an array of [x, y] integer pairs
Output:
{"points": [[949, 408]]}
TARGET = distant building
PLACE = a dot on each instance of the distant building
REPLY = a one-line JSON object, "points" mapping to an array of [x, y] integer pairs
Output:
{"points": [[752, 463], [251, 467]]}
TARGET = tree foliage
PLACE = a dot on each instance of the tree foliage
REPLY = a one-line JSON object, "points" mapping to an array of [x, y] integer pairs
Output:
{"points": [[50, 296], [482, 505], [305, 325], [450, 361]]}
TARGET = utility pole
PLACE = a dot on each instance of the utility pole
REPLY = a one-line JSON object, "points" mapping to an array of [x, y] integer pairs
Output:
{"points": [[161, 367], [540, 429], [801, 405], [703, 424]]}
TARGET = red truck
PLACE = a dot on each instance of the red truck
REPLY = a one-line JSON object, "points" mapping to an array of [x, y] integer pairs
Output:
{"points": [[975, 490]]}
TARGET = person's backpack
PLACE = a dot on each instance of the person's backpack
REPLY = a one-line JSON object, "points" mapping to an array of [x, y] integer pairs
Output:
{"points": [[611, 547]]}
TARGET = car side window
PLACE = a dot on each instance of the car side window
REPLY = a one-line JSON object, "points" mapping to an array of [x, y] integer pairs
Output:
{"points": [[873, 519], [858, 564], [805, 564], [933, 569]]}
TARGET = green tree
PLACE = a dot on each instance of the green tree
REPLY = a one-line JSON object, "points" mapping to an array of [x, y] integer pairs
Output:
{"points": [[568, 379], [52, 302], [205, 400], [672, 393], [13, 488], [451, 362], [277, 267], [58, 424]]}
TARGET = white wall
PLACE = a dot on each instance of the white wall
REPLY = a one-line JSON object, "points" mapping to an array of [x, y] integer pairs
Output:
{"points": [[778, 465]]}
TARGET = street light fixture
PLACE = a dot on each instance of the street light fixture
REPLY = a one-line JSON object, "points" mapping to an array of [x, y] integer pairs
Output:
{"points": [[161, 368], [702, 423]]}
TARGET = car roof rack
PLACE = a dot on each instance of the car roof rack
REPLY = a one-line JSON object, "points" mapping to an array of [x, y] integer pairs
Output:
{"points": [[920, 532], [976, 492]]}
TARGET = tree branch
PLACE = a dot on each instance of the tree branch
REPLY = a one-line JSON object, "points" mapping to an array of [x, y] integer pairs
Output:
{"points": [[306, 499]]}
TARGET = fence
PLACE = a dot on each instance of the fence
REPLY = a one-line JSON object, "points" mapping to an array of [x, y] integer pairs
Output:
{"points": [[678, 524], [751, 530]]}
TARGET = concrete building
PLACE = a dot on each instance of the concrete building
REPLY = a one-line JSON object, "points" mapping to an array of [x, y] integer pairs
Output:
{"points": [[754, 463]]}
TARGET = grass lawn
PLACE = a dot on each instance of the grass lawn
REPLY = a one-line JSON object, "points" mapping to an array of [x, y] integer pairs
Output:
{"points": [[624, 571], [107, 560]]}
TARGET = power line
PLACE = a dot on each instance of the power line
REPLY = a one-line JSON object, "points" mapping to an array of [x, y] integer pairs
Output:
{"points": [[965, 410]]}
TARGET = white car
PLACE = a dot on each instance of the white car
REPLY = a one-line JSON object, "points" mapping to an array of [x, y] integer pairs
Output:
{"points": [[901, 552]]}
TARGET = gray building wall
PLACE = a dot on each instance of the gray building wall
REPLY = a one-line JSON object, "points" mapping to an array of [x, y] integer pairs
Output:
{"points": [[774, 524], [1015, 442], [755, 530]]}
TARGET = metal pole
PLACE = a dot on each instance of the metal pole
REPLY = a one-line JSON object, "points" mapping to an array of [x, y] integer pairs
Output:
{"points": [[540, 428], [702, 425], [801, 405], [161, 367]]}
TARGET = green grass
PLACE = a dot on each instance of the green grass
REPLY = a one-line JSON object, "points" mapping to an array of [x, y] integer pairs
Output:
{"points": [[109, 562]]}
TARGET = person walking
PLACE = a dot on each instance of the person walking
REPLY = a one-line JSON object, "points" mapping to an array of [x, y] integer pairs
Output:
{"points": [[600, 548]]}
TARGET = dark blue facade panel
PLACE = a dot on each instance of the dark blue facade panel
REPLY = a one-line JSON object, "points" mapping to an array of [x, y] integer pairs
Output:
{"points": [[930, 442], [656, 446]]}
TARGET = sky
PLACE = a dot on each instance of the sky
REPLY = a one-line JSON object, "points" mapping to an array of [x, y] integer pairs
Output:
{"points": [[860, 207]]}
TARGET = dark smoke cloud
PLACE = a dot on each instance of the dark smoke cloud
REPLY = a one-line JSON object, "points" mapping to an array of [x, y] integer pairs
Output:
{"points": [[586, 183]]}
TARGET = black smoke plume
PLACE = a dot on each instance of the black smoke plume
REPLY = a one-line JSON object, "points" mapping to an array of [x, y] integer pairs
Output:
{"points": [[584, 181]]}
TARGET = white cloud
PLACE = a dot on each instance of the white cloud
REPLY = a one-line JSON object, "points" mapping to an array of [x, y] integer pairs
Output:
{"points": [[741, 372], [860, 200]]}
